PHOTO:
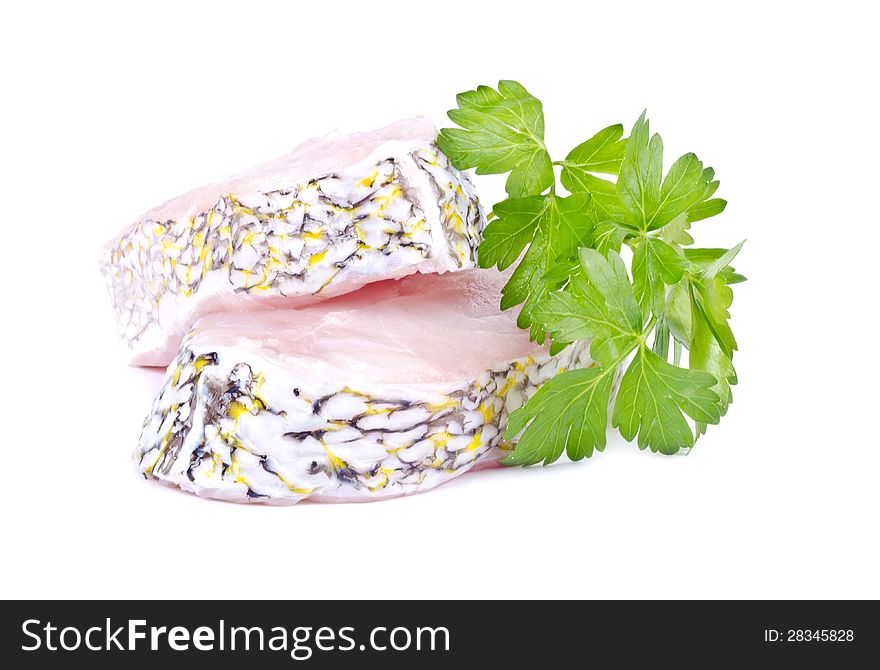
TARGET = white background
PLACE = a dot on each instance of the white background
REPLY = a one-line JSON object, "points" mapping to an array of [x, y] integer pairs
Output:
{"points": [[107, 110]]}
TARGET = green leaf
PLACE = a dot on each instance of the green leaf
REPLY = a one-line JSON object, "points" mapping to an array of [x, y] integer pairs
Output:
{"points": [[711, 294], [653, 201], [638, 186], [604, 201], [706, 355], [598, 305], [501, 131], [652, 397], [610, 235], [528, 285], [675, 232], [563, 270], [568, 413], [608, 276], [712, 298], [700, 257], [699, 260], [554, 228], [609, 305], [654, 264], [603, 152], [722, 261], [660, 346], [504, 239], [564, 316], [685, 185], [571, 283], [706, 209], [679, 313], [669, 265], [572, 223]]}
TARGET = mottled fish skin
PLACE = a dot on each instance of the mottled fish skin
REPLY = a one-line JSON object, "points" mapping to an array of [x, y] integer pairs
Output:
{"points": [[382, 217], [244, 429]]}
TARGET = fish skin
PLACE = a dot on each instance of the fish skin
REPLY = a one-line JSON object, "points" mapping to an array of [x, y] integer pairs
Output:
{"points": [[389, 391], [336, 214]]}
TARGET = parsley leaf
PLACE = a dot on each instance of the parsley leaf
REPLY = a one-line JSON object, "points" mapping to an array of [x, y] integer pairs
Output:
{"points": [[654, 264], [676, 231], [638, 186], [711, 339], [610, 235], [712, 296], [563, 314], [553, 227], [518, 221], [706, 354], [528, 284], [653, 201], [565, 224], [501, 131], [605, 202], [685, 185], [568, 413], [610, 305], [678, 313], [601, 153], [572, 284], [706, 332], [599, 305], [706, 209], [652, 396]]}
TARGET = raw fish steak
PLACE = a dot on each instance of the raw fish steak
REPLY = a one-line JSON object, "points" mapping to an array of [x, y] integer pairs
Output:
{"points": [[336, 214], [388, 391]]}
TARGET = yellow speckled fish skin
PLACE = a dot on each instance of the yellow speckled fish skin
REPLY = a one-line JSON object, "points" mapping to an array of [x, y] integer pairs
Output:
{"points": [[290, 231], [222, 427], [387, 391]]}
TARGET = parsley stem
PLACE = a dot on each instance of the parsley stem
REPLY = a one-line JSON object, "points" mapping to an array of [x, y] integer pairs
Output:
{"points": [[637, 342], [648, 329]]}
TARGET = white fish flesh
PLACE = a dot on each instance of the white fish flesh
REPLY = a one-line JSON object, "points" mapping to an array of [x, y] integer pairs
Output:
{"points": [[335, 214], [388, 391]]}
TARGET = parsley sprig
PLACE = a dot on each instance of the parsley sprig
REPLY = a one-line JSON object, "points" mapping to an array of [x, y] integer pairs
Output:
{"points": [[573, 283]]}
